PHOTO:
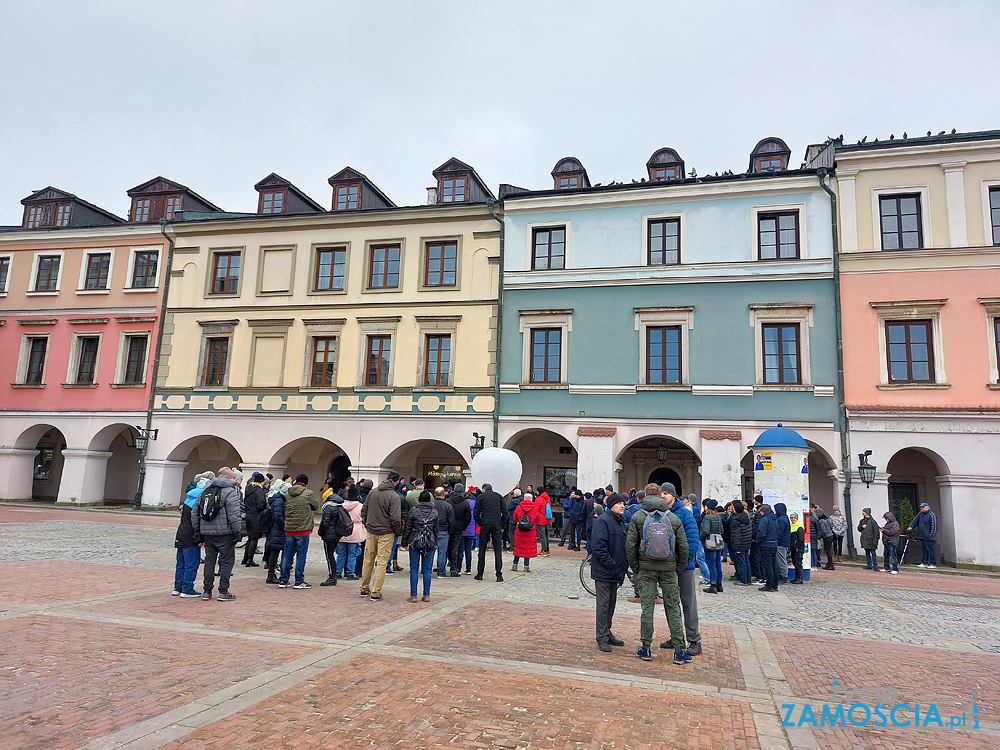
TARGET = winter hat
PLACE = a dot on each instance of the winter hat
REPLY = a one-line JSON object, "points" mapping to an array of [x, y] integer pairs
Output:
{"points": [[418, 483], [867, 510], [693, 498], [353, 493], [836, 508], [738, 506], [587, 495], [613, 499], [301, 479], [459, 488], [204, 482], [668, 488], [226, 473], [257, 477], [711, 504], [237, 474]]}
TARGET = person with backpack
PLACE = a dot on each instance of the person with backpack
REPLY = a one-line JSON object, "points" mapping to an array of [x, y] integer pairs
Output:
{"points": [[334, 525], [525, 537], [490, 512], [608, 565], [274, 517], [349, 547], [544, 504], [824, 529], [300, 506], [420, 538], [188, 543], [254, 500], [217, 517], [657, 550]]}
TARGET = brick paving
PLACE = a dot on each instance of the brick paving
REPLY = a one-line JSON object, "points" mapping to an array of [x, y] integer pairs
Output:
{"points": [[382, 703], [34, 514], [72, 680], [60, 581]]}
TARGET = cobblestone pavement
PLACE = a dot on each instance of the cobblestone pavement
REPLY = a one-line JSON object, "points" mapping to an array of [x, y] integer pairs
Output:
{"points": [[98, 654]]}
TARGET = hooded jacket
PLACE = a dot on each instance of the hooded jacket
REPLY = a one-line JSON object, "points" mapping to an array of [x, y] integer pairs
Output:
{"points": [[230, 518], [767, 530], [890, 532], [328, 522], [300, 506], [186, 536], [608, 561], [638, 561], [276, 536], [254, 500], [353, 507], [463, 513], [739, 529], [543, 501], [381, 511], [690, 530], [490, 511], [824, 528], [784, 525], [869, 530]]}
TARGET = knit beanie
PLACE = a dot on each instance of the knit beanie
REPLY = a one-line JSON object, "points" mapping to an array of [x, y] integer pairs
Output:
{"points": [[226, 473]]}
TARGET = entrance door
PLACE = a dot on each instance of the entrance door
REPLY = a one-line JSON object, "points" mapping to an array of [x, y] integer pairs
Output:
{"points": [[663, 474], [902, 492]]}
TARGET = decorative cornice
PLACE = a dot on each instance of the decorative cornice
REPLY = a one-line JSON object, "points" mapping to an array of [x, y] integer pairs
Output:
{"points": [[596, 431], [271, 322], [721, 435], [900, 411], [210, 323], [135, 319], [37, 321], [90, 321]]}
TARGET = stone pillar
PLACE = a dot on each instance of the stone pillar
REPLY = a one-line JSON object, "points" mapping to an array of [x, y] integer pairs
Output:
{"points": [[954, 183], [848, 210], [596, 457], [721, 473], [970, 515], [374, 473], [83, 477], [17, 466], [165, 483], [875, 497]]}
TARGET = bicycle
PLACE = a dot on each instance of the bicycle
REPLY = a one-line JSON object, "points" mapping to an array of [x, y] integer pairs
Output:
{"points": [[588, 582]]}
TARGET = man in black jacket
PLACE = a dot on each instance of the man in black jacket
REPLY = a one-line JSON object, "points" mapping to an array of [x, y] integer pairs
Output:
{"points": [[461, 521], [491, 516], [446, 518], [608, 564]]}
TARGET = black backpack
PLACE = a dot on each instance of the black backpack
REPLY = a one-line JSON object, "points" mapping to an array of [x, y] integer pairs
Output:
{"points": [[343, 525], [265, 519], [210, 503], [525, 523], [424, 539]]}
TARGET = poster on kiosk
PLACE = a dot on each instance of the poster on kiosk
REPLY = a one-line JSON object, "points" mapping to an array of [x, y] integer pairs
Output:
{"points": [[781, 475]]}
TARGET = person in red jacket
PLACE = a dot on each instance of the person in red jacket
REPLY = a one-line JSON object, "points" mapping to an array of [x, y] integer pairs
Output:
{"points": [[525, 542], [543, 505]]}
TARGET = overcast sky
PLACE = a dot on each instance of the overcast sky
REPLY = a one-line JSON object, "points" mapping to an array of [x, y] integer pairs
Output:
{"points": [[101, 96]]}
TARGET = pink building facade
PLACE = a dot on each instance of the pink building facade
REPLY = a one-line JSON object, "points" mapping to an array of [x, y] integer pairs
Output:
{"points": [[920, 262]]}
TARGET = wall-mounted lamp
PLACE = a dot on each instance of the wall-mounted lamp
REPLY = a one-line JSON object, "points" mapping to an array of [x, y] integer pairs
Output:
{"points": [[478, 444], [865, 469]]}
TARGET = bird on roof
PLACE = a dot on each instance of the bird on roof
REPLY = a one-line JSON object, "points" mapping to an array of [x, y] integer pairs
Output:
{"points": [[635, 182], [928, 133], [892, 136], [904, 134], [875, 141], [941, 133], [953, 131], [716, 174], [840, 137], [863, 139], [694, 173]]}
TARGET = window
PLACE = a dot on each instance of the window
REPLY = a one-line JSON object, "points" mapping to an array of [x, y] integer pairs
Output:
{"points": [[135, 360], [36, 217], [144, 269], [383, 273], [174, 203], [996, 343], [453, 189], [346, 197], [324, 362], [377, 371], [216, 361], [98, 268], [63, 213], [35, 373], [770, 164], [86, 368], [548, 248], [437, 367], [546, 346], [272, 203], [4, 272], [441, 264], [567, 183], [665, 173], [781, 354], [664, 237], [140, 209], [226, 273], [47, 275], [899, 216], [778, 236], [663, 355], [909, 352], [995, 214], [331, 263]]}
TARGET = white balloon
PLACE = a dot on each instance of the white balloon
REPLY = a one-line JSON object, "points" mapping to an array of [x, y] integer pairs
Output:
{"points": [[498, 467]]}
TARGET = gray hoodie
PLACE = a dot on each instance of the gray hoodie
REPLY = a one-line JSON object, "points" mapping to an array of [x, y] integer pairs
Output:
{"points": [[229, 520]]}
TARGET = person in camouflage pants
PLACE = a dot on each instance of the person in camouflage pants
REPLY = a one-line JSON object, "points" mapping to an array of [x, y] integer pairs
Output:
{"points": [[658, 574]]}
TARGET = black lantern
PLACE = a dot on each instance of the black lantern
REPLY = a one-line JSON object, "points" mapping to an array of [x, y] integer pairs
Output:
{"points": [[661, 453], [143, 438], [865, 469], [478, 444]]}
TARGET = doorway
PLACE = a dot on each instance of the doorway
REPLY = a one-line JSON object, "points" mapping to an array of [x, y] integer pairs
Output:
{"points": [[663, 474]]}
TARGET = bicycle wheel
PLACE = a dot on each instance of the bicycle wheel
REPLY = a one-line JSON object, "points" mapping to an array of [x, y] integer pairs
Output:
{"points": [[585, 579]]}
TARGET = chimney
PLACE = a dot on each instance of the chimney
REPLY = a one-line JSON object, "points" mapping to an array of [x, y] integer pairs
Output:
{"points": [[432, 195]]}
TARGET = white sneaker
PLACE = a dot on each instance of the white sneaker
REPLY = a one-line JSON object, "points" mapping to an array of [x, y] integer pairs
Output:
{"points": [[932, 566], [921, 565], [894, 572]]}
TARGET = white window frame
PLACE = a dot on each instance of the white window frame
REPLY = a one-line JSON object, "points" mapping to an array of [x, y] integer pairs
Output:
{"points": [[23, 355], [781, 313], [777, 208], [10, 270], [130, 277], [681, 216], [436, 325], [34, 272], [122, 364], [530, 244], [926, 232], [331, 328], [992, 307], [381, 326], [654, 317], [532, 319], [906, 310], [80, 287], [987, 219], [74, 357]]}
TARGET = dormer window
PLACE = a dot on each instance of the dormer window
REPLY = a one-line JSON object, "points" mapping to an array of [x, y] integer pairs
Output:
{"points": [[665, 173], [770, 155], [347, 197], [36, 217], [765, 164], [453, 189], [63, 212], [140, 209], [272, 202], [567, 183], [569, 174], [174, 204], [665, 164]]}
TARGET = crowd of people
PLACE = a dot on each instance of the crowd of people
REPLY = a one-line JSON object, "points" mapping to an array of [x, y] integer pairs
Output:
{"points": [[662, 538]]}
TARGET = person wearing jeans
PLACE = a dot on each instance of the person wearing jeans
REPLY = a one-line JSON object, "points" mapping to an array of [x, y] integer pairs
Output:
{"points": [[925, 522], [421, 562], [296, 546], [301, 505], [347, 558], [740, 532], [890, 540], [220, 533]]}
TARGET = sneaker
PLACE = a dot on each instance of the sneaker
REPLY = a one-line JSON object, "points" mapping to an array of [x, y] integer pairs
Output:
{"points": [[456, 574], [329, 582], [365, 592], [682, 657], [176, 592], [527, 569], [390, 572], [189, 595], [693, 650], [605, 647], [894, 572], [514, 567], [375, 597], [282, 584], [207, 596], [468, 572], [425, 598], [667, 646], [616, 641], [645, 654], [442, 575], [932, 566], [303, 585], [477, 577], [225, 596], [271, 580], [921, 565], [499, 577], [412, 598]]}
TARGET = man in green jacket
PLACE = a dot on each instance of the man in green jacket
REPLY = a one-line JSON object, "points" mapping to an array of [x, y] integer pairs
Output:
{"points": [[300, 505], [659, 571]]}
